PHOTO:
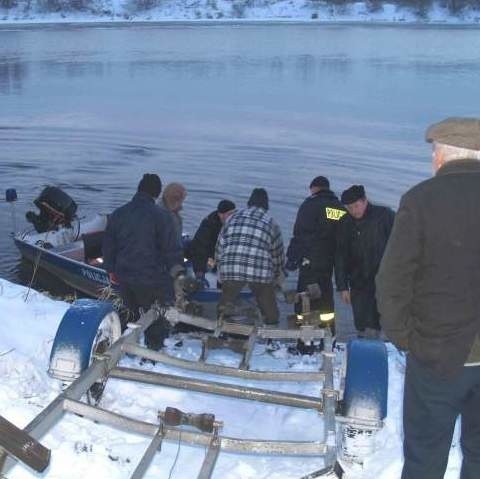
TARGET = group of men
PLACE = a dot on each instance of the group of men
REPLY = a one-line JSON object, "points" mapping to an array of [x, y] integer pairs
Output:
{"points": [[424, 274], [246, 248]]}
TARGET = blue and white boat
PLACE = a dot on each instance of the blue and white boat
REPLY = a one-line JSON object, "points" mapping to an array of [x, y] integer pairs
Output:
{"points": [[72, 254], [71, 249]]}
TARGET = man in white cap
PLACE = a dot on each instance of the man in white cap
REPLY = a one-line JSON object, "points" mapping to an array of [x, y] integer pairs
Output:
{"points": [[428, 293]]}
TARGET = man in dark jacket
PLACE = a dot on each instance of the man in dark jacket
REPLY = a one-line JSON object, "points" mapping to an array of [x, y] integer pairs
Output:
{"points": [[141, 253], [428, 291], [202, 246], [363, 237], [312, 248]]}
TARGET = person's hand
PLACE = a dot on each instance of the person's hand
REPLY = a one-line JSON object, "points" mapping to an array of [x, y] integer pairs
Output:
{"points": [[200, 276], [279, 280], [346, 296], [291, 265], [113, 278]]}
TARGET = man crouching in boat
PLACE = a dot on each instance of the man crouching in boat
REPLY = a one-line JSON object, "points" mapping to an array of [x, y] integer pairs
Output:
{"points": [[142, 254]]}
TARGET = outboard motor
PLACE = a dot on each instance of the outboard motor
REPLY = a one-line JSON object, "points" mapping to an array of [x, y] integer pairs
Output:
{"points": [[56, 209]]}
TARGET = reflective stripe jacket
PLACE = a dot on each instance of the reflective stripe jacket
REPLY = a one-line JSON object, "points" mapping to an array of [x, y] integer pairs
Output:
{"points": [[315, 231]]}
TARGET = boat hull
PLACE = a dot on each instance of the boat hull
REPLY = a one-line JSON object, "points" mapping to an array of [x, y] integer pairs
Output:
{"points": [[80, 276]]}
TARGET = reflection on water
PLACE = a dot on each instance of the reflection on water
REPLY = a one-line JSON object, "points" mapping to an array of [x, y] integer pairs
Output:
{"points": [[12, 74], [224, 109]]}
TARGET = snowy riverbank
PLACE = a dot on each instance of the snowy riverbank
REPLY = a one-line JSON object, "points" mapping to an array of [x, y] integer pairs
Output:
{"points": [[83, 449], [370, 11]]}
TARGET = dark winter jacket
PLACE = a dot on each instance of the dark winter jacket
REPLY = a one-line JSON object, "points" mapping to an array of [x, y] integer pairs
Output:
{"points": [[428, 286], [203, 243], [140, 244], [315, 231], [361, 244]]}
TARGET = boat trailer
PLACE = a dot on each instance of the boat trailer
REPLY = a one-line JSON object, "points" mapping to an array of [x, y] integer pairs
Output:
{"points": [[88, 347]]}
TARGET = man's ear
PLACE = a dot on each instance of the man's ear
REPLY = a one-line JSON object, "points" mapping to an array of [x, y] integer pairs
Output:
{"points": [[438, 159]]}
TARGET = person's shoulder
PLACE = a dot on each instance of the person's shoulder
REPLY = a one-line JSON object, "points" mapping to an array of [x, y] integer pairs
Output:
{"points": [[120, 211], [417, 192], [382, 209], [161, 213], [211, 219]]}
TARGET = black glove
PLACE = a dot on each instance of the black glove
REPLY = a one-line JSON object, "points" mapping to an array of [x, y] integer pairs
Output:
{"points": [[291, 264]]}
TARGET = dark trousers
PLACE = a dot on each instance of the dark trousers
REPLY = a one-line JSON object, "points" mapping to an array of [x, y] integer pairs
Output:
{"points": [[138, 296], [364, 307], [430, 408], [264, 294], [308, 275]]}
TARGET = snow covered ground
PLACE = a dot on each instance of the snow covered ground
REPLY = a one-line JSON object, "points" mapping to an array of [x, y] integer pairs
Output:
{"points": [[33, 11], [83, 449]]}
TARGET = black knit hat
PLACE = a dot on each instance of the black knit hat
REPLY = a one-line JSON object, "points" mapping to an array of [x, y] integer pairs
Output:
{"points": [[225, 205], [352, 194], [258, 198], [150, 184], [320, 182]]}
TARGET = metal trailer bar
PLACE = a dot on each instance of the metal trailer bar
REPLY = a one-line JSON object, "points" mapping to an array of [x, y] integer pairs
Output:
{"points": [[245, 363], [211, 457], [222, 389], [305, 333], [147, 458], [227, 444], [99, 368], [103, 366], [329, 395], [163, 358]]}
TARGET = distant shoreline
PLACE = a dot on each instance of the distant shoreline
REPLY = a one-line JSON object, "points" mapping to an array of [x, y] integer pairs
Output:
{"points": [[109, 23], [240, 12]]}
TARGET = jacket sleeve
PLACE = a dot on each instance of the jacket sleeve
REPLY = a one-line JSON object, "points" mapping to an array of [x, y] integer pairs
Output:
{"points": [[201, 248], [341, 255], [168, 241], [219, 250], [389, 221], [395, 278], [296, 247], [109, 247], [277, 251]]}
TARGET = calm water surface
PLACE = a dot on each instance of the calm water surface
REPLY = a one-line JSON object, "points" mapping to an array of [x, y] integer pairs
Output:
{"points": [[223, 109]]}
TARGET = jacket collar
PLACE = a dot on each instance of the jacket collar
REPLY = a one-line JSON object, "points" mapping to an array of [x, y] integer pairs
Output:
{"points": [[456, 167], [324, 193], [141, 196]]}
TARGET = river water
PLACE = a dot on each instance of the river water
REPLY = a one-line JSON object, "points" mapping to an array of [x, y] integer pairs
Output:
{"points": [[223, 109]]}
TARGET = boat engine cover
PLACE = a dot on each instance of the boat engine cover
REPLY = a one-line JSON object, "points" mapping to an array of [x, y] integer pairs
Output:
{"points": [[56, 209]]}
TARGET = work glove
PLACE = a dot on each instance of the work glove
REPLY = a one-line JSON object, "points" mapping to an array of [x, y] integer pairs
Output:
{"points": [[176, 271], [200, 276], [291, 264]]}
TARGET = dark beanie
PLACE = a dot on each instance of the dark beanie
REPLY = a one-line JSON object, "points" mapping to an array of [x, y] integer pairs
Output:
{"points": [[352, 194], [150, 184], [225, 205], [258, 198], [320, 182]]}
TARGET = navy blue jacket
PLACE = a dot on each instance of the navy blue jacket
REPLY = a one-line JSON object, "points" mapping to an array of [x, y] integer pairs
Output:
{"points": [[140, 244]]}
